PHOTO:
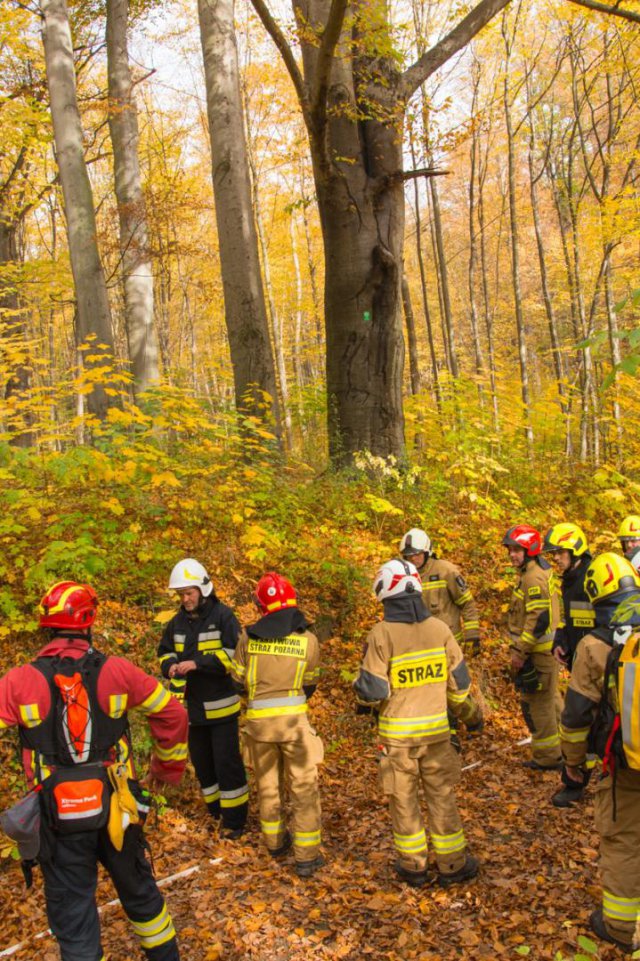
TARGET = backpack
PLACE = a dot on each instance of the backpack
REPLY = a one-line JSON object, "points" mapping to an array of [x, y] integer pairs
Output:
{"points": [[74, 744], [617, 727]]}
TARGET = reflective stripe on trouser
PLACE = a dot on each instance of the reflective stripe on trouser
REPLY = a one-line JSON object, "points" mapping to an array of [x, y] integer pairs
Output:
{"points": [[70, 884], [620, 853], [540, 712], [437, 766], [296, 764], [215, 753]]}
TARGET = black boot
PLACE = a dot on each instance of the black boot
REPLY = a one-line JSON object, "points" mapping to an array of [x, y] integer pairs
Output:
{"points": [[416, 879], [596, 922], [468, 870], [566, 797]]}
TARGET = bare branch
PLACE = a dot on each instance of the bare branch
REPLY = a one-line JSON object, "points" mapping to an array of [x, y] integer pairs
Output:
{"points": [[459, 37], [614, 11], [419, 172], [286, 53]]}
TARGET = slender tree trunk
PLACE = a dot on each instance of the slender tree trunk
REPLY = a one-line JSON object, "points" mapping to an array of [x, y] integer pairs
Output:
{"points": [[13, 332], [423, 287], [134, 244], [409, 319], [486, 300], [245, 311], [614, 347], [515, 249], [93, 317], [473, 251]]}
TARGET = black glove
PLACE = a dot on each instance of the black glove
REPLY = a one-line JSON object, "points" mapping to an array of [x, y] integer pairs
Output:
{"points": [[527, 680]]}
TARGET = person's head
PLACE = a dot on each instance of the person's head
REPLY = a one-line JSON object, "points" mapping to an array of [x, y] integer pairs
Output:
{"points": [[191, 583], [566, 543], [629, 534], [397, 579], [415, 547], [608, 580], [69, 607], [274, 593], [522, 542]]}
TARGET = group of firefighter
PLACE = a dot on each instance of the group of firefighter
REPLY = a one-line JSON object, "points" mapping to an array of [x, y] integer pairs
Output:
{"points": [[86, 805]]}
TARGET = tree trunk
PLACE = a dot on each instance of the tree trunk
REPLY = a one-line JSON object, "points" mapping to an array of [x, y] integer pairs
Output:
{"points": [[134, 244], [484, 269], [13, 328], [515, 250], [245, 311], [414, 363], [444, 278], [473, 248], [93, 317]]}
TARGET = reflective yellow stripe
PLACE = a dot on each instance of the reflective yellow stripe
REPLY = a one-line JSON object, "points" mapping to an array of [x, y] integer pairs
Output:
{"points": [[156, 701], [463, 599], [471, 625], [457, 697], [222, 711], [224, 658], [543, 647], [30, 715], [306, 839], [552, 741], [433, 585], [3, 724], [170, 656], [448, 843], [620, 909], [176, 753], [536, 606], [233, 799], [155, 932], [433, 653], [574, 735], [272, 827], [238, 669], [254, 713], [413, 726], [410, 843], [117, 704]]}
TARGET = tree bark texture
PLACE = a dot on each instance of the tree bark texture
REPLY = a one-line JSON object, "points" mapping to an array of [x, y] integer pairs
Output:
{"points": [[245, 311], [134, 243], [93, 317]]}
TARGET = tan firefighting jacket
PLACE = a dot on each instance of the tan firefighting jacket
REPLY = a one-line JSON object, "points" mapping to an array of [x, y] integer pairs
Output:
{"points": [[417, 672], [534, 612], [275, 673], [583, 696], [446, 595]]}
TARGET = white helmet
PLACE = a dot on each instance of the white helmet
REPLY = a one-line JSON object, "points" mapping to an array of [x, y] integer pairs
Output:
{"points": [[396, 578], [415, 541], [190, 573]]}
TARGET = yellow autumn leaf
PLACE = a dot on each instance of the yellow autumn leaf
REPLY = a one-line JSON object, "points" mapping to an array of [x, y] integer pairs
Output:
{"points": [[166, 479], [163, 617]]}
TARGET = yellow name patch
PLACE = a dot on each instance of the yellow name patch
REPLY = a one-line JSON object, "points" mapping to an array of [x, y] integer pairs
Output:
{"points": [[295, 645], [429, 670]]}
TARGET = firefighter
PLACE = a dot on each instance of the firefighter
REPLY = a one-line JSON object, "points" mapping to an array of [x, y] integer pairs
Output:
{"points": [[70, 706], [601, 700], [532, 621], [197, 646], [446, 595], [277, 661], [629, 534], [567, 545], [414, 670]]}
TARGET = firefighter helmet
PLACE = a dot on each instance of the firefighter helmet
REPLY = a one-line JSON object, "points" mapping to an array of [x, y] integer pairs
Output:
{"points": [[396, 578], [190, 573], [274, 593], [565, 537], [629, 528], [609, 574], [524, 536], [415, 541], [68, 606]]}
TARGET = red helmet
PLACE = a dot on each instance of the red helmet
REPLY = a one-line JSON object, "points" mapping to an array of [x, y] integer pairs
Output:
{"points": [[522, 535], [69, 606], [274, 593]]}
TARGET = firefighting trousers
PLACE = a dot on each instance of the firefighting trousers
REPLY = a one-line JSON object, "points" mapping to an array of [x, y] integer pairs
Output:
{"points": [[541, 710], [294, 764], [620, 853], [437, 768], [215, 754], [70, 887]]}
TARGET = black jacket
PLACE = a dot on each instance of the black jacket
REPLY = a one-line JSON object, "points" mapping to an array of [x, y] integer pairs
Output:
{"points": [[208, 637], [578, 614]]}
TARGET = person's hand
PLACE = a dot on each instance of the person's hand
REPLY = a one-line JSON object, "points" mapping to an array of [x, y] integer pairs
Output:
{"points": [[184, 667], [517, 660], [173, 670], [560, 655]]}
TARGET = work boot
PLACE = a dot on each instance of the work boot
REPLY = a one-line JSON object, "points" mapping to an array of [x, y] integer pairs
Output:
{"points": [[598, 926], [468, 870], [231, 834], [280, 852], [304, 869], [416, 879], [566, 797], [536, 766]]}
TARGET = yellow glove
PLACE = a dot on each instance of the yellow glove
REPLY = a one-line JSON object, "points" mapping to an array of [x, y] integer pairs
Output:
{"points": [[123, 809]]}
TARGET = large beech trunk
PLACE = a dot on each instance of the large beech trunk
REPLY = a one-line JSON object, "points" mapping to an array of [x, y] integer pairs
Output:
{"points": [[134, 243], [93, 317], [245, 311]]}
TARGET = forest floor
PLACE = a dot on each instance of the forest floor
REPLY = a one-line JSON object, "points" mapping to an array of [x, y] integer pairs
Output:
{"points": [[537, 886]]}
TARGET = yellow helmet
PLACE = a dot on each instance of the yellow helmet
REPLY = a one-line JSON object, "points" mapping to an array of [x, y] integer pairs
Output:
{"points": [[565, 537], [630, 527], [609, 574]]}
